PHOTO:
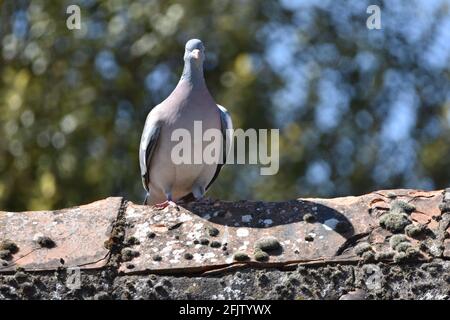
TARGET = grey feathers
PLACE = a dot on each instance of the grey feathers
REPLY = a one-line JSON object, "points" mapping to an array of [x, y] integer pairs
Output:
{"points": [[188, 103]]}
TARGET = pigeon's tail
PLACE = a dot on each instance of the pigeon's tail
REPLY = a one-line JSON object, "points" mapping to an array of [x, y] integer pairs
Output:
{"points": [[145, 200]]}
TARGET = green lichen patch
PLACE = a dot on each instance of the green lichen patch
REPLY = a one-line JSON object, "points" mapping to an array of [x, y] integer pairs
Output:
{"points": [[396, 239], [267, 244], [46, 242], [128, 254], [132, 241], [188, 256], [215, 244], [5, 255], [116, 238], [261, 255], [363, 247], [157, 257], [414, 230], [391, 195], [400, 257], [212, 231], [384, 255], [109, 244], [395, 222], [403, 246], [412, 252], [405, 256], [402, 206], [9, 245], [445, 207], [368, 256], [309, 217], [241, 256], [20, 276]]}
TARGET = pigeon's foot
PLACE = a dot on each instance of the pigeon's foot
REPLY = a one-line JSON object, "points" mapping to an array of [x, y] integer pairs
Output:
{"points": [[162, 205], [165, 204]]}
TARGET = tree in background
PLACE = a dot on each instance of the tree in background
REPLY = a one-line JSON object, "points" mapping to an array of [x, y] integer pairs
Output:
{"points": [[357, 109]]}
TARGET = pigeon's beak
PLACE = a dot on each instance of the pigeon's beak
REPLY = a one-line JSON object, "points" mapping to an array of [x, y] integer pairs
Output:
{"points": [[196, 54]]}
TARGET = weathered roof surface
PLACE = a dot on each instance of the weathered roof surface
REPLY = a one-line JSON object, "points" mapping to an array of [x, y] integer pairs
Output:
{"points": [[204, 237], [78, 233], [239, 226], [171, 240]]}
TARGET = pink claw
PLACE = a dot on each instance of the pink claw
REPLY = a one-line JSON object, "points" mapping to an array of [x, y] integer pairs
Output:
{"points": [[162, 205]]}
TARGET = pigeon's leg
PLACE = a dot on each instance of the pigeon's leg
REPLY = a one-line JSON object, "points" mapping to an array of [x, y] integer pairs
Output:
{"points": [[171, 202], [198, 192], [146, 199], [167, 203]]}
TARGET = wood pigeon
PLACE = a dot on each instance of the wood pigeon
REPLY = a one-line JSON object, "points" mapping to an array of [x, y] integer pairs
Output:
{"points": [[165, 181]]}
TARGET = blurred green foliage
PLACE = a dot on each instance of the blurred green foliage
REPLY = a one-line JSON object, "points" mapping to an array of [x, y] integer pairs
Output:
{"points": [[358, 109]]}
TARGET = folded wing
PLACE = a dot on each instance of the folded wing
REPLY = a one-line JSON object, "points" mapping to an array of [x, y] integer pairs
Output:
{"points": [[227, 128], [148, 144]]}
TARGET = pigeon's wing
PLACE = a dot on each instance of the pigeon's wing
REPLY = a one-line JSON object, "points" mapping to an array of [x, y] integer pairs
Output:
{"points": [[227, 133], [148, 144]]}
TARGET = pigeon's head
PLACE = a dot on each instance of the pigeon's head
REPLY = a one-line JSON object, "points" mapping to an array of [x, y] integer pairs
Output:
{"points": [[195, 52]]}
